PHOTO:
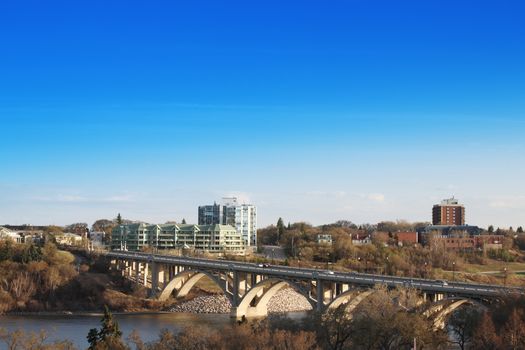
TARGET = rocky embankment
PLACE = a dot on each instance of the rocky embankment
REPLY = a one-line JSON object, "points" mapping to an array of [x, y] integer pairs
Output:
{"points": [[286, 300]]}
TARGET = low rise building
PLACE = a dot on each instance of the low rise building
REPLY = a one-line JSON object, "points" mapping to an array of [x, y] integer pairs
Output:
{"points": [[68, 238], [469, 243], [406, 238], [209, 238], [8, 234], [97, 238], [361, 239], [324, 239]]}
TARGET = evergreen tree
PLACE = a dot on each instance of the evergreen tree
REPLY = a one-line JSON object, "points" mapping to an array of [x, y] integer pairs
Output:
{"points": [[109, 337], [280, 228], [92, 338], [119, 219], [519, 230], [491, 229], [110, 328], [183, 221]]}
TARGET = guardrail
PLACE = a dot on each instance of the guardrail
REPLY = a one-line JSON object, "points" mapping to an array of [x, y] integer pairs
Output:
{"points": [[460, 288]]}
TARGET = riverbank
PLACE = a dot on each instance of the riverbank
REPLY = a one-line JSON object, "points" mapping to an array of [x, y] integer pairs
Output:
{"points": [[285, 300]]}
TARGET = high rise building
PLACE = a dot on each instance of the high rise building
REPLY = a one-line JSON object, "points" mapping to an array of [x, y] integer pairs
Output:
{"points": [[241, 216], [246, 223], [211, 214], [449, 212]]}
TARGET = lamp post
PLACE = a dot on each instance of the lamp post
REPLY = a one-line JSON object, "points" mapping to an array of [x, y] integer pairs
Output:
{"points": [[505, 276], [426, 273], [359, 262], [386, 265], [453, 271]]}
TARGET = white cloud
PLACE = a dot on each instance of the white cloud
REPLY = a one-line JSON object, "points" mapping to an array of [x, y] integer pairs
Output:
{"points": [[336, 194], [68, 198], [376, 197], [508, 202]]}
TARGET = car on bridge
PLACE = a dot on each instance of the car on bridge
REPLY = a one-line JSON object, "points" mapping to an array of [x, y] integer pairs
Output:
{"points": [[263, 265]]}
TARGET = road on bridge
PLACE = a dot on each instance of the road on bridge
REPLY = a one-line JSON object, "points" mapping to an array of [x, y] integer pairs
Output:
{"points": [[358, 279]]}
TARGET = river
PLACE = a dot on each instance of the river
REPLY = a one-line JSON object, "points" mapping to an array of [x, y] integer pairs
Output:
{"points": [[76, 327]]}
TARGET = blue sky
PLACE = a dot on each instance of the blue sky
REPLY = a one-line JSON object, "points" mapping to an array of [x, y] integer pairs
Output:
{"points": [[312, 110]]}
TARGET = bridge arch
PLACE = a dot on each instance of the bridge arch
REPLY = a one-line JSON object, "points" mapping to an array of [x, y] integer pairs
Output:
{"points": [[255, 302], [186, 280], [351, 299], [440, 312]]}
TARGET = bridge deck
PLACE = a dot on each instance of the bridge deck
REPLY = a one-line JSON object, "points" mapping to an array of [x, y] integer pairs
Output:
{"points": [[352, 278]]}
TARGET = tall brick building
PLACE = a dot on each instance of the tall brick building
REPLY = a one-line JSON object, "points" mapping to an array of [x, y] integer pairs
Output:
{"points": [[449, 212]]}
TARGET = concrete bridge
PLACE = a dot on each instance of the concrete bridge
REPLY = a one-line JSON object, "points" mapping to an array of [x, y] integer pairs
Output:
{"points": [[250, 286]]}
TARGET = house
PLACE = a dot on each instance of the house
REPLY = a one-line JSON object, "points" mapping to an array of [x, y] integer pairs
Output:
{"points": [[361, 239], [8, 234], [68, 238], [324, 239]]}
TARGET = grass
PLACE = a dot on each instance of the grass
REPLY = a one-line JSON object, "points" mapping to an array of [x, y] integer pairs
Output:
{"points": [[494, 265]]}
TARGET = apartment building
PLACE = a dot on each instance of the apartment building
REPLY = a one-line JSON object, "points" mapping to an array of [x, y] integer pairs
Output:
{"points": [[241, 216], [449, 212], [209, 238]]}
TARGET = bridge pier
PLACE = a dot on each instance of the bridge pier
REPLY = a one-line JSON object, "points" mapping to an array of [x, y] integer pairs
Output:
{"points": [[154, 279], [320, 296]]}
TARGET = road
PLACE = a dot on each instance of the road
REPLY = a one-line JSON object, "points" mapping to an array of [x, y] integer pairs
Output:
{"points": [[308, 274]]}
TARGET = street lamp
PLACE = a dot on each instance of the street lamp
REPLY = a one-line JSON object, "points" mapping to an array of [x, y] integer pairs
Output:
{"points": [[386, 266], [453, 271], [505, 276], [426, 273]]}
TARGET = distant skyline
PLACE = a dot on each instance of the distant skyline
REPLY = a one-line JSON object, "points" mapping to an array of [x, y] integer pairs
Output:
{"points": [[313, 111]]}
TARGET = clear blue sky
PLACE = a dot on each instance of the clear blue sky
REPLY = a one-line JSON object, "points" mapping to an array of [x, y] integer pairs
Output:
{"points": [[312, 110]]}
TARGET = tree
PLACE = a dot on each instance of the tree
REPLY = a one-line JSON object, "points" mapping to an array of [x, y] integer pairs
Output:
{"points": [[109, 337], [485, 337], [92, 338], [491, 229], [463, 324], [280, 228], [119, 219], [335, 328], [80, 228], [183, 221], [519, 230], [514, 331]]}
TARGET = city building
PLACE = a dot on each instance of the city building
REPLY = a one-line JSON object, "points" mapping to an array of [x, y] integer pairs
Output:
{"points": [[211, 214], [406, 237], [241, 216], [361, 239], [210, 238], [449, 212], [451, 230], [324, 239], [246, 223], [97, 238], [460, 237], [68, 238], [6, 233], [471, 243]]}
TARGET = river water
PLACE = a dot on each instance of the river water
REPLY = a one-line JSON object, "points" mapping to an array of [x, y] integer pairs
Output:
{"points": [[76, 327]]}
